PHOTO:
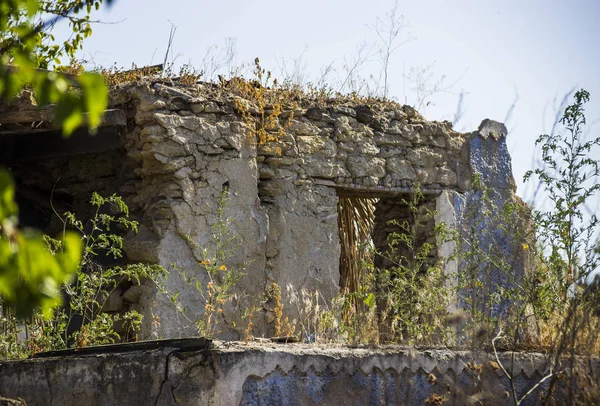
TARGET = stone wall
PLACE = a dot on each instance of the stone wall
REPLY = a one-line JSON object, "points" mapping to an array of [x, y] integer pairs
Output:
{"points": [[182, 147], [200, 373], [191, 143]]}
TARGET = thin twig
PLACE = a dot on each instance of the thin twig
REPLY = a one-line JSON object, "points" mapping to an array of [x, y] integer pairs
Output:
{"points": [[512, 384], [537, 385], [64, 231], [169, 45]]}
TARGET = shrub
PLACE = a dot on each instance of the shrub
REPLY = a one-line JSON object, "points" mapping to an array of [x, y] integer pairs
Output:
{"points": [[82, 321]]}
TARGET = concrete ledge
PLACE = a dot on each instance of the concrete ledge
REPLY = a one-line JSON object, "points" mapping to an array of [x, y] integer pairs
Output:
{"points": [[227, 373]]}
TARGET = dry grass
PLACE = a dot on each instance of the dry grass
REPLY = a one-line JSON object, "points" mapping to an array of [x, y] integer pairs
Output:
{"points": [[355, 225], [558, 328]]}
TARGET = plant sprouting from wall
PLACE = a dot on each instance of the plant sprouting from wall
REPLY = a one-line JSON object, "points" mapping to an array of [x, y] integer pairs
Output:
{"points": [[221, 278], [261, 105]]}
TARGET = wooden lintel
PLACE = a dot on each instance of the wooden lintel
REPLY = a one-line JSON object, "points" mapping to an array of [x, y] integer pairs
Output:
{"points": [[70, 76], [19, 116], [37, 120], [347, 190], [29, 146]]}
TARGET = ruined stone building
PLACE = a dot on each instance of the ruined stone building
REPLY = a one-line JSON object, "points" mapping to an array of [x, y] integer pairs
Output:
{"points": [[171, 151]]}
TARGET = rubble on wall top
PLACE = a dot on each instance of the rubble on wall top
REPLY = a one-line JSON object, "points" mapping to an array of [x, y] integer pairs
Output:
{"points": [[221, 98]]}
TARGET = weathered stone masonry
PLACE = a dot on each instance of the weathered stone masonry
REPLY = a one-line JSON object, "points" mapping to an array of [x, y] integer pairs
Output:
{"points": [[177, 149]]}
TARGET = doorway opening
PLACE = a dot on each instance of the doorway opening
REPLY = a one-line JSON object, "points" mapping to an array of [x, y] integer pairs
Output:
{"points": [[388, 244]]}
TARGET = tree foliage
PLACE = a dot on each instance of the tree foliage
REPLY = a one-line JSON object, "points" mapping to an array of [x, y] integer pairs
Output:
{"points": [[29, 275], [28, 45]]}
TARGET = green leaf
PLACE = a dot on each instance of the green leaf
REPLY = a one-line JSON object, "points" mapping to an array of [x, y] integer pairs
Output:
{"points": [[370, 301], [68, 114], [95, 96], [8, 207]]}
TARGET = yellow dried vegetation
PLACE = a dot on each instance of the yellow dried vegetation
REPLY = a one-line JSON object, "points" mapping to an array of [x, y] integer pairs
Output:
{"points": [[186, 76], [262, 104]]}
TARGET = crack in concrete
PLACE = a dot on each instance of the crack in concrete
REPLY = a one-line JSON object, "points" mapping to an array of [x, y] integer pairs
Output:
{"points": [[188, 370], [165, 380], [46, 373], [202, 364]]}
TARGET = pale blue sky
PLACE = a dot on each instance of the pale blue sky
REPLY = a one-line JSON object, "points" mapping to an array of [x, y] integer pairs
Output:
{"points": [[493, 49]]}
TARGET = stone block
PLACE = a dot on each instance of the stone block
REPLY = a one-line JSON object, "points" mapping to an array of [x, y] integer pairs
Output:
{"points": [[316, 145], [361, 166], [400, 168]]}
